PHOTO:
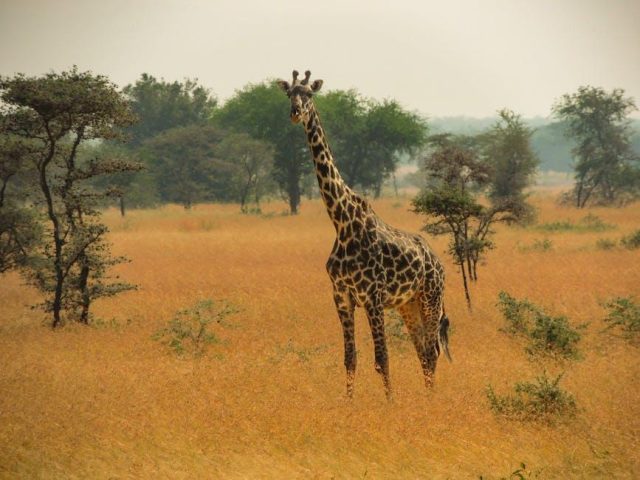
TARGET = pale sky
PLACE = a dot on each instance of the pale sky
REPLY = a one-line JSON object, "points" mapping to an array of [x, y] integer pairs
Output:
{"points": [[440, 58]]}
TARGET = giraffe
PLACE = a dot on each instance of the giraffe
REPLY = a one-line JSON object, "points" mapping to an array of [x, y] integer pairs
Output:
{"points": [[372, 265]]}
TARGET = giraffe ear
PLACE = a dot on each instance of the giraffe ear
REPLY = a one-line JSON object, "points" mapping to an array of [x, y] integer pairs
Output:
{"points": [[316, 86], [284, 85]]}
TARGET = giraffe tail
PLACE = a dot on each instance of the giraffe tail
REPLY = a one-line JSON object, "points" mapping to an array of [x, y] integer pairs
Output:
{"points": [[443, 335]]}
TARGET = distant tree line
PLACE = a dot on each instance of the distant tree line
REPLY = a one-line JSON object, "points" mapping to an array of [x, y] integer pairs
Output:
{"points": [[195, 150]]}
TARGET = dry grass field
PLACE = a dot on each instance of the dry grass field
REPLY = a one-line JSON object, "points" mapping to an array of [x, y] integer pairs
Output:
{"points": [[268, 400]]}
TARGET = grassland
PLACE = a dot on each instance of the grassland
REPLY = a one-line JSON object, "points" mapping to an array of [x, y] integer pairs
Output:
{"points": [[268, 401]]}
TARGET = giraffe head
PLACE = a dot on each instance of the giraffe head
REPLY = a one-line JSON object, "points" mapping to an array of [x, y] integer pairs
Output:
{"points": [[300, 93]]}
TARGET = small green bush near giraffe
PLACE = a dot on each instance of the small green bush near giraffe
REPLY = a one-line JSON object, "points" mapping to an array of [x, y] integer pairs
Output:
{"points": [[546, 334]]}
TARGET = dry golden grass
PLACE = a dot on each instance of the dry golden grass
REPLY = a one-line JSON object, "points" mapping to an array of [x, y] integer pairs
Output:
{"points": [[268, 402]]}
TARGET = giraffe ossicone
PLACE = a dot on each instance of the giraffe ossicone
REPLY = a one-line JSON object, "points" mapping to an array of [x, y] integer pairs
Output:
{"points": [[372, 265]]}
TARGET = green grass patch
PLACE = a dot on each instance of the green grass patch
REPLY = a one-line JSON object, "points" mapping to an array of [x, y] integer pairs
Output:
{"points": [[589, 223]]}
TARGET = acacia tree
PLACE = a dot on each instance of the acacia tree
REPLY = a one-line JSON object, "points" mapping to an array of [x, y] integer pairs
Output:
{"points": [[456, 178], [606, 167], [53, 116]]}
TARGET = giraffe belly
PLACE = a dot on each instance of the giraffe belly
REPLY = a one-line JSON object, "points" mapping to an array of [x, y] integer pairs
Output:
{"points": [[400, 292]]}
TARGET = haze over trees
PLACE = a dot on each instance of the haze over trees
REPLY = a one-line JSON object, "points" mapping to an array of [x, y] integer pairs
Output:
{"points": [[606, 167]]}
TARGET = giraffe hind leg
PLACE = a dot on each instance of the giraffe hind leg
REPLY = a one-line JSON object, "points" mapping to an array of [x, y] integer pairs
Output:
{"points": [[412, 316], [431, 313]]}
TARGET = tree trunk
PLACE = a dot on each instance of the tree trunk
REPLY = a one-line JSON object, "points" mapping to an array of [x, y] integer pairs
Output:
{"points": [[57, 240], [377, 190], [83, 287], [293, 191], [466, 286], [395, 183]]}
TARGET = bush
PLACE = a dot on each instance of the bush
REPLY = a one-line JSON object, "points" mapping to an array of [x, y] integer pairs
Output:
{"points": [[624, 315], [631, 241], [589, 223], [188, 331], [547, 334], [542, 400]]}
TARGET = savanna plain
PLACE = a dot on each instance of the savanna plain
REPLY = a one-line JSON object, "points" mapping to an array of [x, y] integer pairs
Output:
{"points": [[267, 399]]}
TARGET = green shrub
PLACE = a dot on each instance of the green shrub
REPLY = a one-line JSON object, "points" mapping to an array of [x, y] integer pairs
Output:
{"points": [[518, 313], [188, 331], [631, 241], [546, 334], [624, 315], [542, 400], [605, 244]]}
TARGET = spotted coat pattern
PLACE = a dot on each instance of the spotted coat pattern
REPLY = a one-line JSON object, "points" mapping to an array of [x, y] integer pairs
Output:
{"points": [[372, 265]]}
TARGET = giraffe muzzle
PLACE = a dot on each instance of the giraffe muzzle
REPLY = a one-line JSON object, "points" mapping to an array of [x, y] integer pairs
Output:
{"points": [[295, 115]]}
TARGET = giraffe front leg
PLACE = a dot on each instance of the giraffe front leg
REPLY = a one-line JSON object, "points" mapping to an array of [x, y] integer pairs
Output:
{"points": [[345, 307], [375, 314]]}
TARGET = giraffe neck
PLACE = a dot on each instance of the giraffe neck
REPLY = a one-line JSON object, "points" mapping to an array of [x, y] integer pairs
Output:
{"points": [[336, 194]]}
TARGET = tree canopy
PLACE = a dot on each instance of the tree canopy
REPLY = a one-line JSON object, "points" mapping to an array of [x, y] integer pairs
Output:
{"points": [[160, 105], [367, 137]]}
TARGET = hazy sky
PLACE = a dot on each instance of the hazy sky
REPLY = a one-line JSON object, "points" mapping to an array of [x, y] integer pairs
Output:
{"points": [[438, 57]]}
